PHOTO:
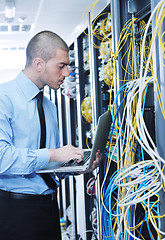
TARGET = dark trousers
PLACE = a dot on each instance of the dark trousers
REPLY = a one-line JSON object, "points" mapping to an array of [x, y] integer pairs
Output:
{"points": [[25, 219]]}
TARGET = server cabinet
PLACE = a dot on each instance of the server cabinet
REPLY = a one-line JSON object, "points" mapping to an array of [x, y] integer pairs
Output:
{"points": [[86, 127], [127, 39]]}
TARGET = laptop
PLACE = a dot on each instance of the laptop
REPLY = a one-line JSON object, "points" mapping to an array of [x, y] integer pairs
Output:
{"points": [[100, 140]]}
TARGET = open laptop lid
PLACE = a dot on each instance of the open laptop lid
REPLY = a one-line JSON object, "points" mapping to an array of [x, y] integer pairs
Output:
{"points": [[100, 140]]}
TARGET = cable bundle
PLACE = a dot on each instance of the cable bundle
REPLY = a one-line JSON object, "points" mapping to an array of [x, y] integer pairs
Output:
{"points": [[86, 109], [69, 87]]}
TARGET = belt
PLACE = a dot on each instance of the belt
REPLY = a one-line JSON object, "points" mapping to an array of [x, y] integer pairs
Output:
{"points": [[13, 195]]}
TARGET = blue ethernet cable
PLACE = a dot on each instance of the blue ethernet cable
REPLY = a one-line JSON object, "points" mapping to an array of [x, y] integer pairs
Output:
{"points": [[107, 217], [141, 227], [113, 126]]}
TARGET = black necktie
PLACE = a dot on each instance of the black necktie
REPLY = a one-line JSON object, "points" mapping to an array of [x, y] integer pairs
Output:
{"points": [[46, 177]]}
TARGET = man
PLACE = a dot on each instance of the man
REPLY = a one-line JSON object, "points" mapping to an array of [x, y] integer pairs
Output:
{"points": [[28, 207]]}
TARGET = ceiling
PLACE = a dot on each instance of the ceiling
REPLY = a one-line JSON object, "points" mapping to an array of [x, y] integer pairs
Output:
{"points": [[66, 17]]}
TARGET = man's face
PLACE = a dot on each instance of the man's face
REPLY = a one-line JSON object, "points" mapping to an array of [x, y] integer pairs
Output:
{"points": [[56, 69]]}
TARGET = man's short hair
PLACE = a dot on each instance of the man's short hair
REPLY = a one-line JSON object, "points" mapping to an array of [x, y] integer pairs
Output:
{"points": [[44, 45]]}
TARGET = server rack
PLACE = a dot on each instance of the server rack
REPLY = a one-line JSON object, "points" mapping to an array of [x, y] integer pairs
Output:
{"points": [[140, 10], [142, 13], [159, 120], [86, 122]]}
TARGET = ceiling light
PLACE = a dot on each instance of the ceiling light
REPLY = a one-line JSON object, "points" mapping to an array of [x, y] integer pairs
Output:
{"points": [[9, 10]]}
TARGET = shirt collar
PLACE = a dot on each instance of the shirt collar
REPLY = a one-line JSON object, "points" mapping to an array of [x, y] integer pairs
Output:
{"points": [[29, 89]]}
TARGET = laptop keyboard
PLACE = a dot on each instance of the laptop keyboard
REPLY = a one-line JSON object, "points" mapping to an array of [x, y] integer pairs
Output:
{"points": [[74, 162]]}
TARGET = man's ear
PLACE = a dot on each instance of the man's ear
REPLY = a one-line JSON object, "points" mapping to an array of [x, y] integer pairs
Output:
{"points": [[39, 64]]}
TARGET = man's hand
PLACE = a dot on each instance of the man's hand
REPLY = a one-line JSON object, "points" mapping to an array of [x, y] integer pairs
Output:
{"points": [[95, 164], [66, 153]]}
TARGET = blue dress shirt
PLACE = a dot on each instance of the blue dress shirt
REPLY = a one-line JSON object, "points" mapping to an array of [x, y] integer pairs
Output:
{"points": [[20, 155]]}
